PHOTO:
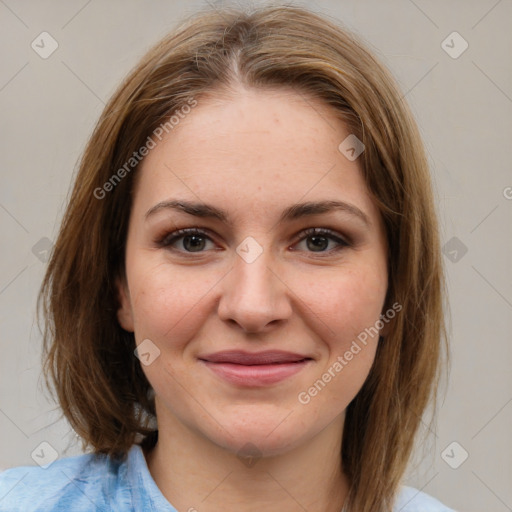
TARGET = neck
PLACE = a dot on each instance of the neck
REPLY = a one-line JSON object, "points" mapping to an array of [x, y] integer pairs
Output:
{"points": [[195, 474]]}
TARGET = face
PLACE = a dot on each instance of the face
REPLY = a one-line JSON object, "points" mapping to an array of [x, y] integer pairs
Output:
{"points": [[247, 320]]}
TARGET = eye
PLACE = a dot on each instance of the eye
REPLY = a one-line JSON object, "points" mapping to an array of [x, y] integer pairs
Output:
{"points": [[191, 239], [317, 240], [195, 240]]}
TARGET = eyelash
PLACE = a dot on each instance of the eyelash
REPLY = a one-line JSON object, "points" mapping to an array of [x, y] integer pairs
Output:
{"points": [[169, 238]]}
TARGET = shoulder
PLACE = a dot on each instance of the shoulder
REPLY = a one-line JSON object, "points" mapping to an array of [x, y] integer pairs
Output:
{"points": [[72, 483], [411, 500]]}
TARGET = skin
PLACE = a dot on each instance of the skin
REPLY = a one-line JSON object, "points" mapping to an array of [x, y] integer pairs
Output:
{"points": [[252, 153]]}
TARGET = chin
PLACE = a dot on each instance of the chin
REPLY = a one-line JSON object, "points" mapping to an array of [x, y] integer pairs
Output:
{"points": [[260, 433]]}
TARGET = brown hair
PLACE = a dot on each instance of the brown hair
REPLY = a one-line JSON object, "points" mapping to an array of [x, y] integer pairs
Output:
{"points": [[89, 358]]}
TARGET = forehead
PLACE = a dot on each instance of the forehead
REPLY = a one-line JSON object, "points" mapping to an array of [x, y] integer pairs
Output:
{"points": [[260, 147]]}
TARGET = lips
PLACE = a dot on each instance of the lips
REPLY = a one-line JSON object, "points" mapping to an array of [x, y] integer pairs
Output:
{"points": [[257, 358], [258, 369]]}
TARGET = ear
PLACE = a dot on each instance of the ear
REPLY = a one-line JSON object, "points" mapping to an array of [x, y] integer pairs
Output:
{"points": [[124, 311]]}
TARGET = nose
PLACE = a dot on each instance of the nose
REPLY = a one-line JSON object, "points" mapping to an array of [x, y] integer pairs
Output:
{"points": [[254, 297]]}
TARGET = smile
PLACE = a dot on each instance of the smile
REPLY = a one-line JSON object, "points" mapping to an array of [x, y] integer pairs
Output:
{"points": [[255, 369]]}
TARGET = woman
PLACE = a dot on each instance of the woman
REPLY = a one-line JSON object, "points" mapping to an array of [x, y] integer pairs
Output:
{"points": [[201, 340]]}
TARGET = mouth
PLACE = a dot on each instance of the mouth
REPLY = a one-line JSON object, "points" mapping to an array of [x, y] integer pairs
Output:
{"points": [[255, 369]]}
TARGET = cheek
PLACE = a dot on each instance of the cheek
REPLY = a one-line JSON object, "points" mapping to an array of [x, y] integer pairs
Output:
{"points": [[348, 302], [167, 303]]}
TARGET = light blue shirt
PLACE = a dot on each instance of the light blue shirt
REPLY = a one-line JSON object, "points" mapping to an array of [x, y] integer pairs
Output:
{"points": [[97, 483]]}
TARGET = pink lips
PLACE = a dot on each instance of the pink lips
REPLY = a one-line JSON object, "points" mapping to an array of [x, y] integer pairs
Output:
{"points": [[255, 369]]}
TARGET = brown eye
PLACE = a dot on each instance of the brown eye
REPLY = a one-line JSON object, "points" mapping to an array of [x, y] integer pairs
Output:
{"points": [[191, 239], [195, 243], [317, 240]]}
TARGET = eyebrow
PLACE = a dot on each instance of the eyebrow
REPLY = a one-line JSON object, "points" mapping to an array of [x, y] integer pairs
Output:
{"points": [[293, 212]]}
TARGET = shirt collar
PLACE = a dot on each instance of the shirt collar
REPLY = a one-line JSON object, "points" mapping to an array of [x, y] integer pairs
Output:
{"points": [[145, 493]]}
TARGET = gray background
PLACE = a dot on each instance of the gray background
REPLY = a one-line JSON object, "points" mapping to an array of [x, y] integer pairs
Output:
{"points": [[464, 108]]}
